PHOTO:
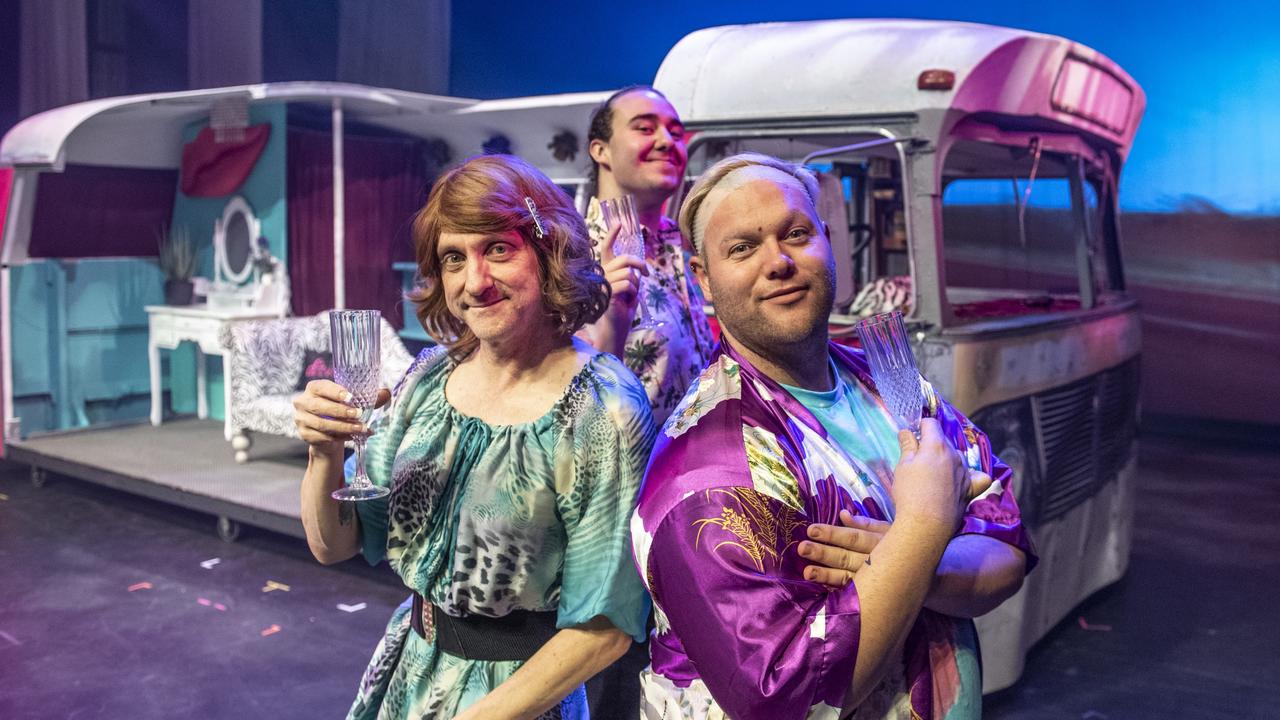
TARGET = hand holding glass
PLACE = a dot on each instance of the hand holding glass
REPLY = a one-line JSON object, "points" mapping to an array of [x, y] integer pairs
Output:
{"points": [[621, 211], [893, 367], [354, 338]]}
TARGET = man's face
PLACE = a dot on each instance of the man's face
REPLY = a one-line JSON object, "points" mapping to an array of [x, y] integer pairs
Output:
{"points": [[492, 283], [646, 153], [766, 265]]}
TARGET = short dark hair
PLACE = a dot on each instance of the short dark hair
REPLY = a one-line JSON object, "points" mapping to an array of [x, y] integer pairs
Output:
{"points": [[601, 127]]}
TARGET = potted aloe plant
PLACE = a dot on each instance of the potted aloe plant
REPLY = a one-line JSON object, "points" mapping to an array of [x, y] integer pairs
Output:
{"points": [[177, 260]]}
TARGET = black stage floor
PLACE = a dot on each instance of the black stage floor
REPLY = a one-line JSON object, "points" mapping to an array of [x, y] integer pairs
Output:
{"points": [[1191, 631], [106, 610]]}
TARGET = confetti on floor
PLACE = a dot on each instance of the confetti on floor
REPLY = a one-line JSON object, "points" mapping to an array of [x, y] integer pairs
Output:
{"points": [[273, 585], [351, 608], [140, 586], [270, 631], [208, 564], [209, 603], [1086, 625]]}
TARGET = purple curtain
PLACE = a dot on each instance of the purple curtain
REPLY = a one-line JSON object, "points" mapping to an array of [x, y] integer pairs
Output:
{"points": [[224, 43], [53, 55], [371, 37], [386, 184], [90, 211]]}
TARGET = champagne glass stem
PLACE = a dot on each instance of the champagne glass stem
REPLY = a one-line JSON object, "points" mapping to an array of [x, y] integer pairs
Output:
{"points": [[645, 320], [361, 478]]}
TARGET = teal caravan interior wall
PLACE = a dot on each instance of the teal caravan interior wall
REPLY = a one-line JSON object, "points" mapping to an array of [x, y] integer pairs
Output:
{"points": [[34, 319], [264, 189], [80, 341]]}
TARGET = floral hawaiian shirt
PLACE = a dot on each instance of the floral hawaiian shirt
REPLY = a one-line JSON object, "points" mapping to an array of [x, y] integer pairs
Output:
{"points": [[667, 358]]}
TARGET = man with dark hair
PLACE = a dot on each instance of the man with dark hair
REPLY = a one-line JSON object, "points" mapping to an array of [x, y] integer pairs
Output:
{"points": [[806, 559], [637, 147]]}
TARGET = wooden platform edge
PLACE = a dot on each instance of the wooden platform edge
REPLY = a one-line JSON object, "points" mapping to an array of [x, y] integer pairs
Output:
{"points": [[17, 452]]}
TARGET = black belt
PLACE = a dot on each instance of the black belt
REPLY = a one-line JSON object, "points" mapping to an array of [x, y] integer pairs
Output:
{"points": [[514, 636]]}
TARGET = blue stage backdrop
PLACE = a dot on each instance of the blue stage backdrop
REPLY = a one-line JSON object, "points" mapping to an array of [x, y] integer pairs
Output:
{"points": [[1211, 71]]}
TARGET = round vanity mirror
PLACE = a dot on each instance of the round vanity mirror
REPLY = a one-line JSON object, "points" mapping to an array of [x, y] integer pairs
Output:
{"points": [[233, 241]]}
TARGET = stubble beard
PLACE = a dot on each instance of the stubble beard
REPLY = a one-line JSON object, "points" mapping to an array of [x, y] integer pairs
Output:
{"points": [[776, 340]]}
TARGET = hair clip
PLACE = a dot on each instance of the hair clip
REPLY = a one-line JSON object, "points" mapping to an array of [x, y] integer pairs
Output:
{"points": [[537, 219]]}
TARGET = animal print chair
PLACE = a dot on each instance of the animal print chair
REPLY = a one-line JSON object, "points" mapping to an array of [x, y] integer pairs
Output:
{"points": [[273, 359]]}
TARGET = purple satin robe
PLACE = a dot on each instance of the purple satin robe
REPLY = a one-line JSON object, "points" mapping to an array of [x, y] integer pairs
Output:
{"points": [[738, 473]]}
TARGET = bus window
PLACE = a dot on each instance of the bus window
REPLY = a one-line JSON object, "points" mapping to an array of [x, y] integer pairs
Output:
{"points": [[1105, 276], [862, 202], [1011, 243]]}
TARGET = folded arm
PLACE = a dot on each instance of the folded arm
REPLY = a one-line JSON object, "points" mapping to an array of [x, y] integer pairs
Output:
{"points": [[892, 588], [766, 642], [976, 572]]}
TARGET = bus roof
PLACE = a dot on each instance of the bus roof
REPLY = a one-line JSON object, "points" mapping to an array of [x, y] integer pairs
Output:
{"points": [[830, 69]]}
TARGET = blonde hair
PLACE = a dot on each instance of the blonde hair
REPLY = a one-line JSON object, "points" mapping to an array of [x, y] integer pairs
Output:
{"points": [[486, 194], [717, 173]]}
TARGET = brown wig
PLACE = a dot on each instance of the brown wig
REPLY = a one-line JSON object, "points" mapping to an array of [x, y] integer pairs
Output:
{"points": [[486, 195]]}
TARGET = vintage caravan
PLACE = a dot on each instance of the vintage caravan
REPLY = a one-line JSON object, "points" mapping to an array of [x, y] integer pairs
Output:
{"points": [[95, 363], [975, 171]]}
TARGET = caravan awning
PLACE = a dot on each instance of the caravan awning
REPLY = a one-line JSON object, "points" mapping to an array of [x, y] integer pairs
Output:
{"points": [[146, 130]]}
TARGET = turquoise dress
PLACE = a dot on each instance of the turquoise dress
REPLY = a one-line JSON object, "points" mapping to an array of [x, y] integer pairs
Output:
{"points": [[486, 519]]}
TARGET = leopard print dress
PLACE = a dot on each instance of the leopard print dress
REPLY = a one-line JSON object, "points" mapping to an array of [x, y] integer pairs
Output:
{"points": [[486, 519]]}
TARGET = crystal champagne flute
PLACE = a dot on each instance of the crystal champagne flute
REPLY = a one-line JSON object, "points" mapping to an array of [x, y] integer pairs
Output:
{"points": [[354, 338], [893, 367], [630, 242]]}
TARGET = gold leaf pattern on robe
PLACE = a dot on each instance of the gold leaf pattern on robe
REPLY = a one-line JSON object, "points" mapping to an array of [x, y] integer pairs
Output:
{"points": [[762, 531]]}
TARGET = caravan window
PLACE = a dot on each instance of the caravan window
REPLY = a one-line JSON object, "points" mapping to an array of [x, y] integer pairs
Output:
{"points": [[1014, 244]]}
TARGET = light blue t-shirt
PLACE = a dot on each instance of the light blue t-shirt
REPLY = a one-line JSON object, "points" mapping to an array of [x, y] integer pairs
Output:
{"points": [[857, 425], [855, 422]]}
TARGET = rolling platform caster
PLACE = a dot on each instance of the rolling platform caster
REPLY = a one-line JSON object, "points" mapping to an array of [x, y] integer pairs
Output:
{"points": [[228, 529]]}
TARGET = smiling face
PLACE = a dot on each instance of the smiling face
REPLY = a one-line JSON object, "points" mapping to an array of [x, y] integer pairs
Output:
{"points": [[645, 154], [766, 265], [493, 284]]}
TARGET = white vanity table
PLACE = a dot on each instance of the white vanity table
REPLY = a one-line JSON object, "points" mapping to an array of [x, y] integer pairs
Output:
{"points": [[239, 292], [170, 325]]}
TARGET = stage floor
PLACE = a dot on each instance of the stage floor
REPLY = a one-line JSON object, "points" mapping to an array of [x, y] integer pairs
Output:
{"points": [[110, 608], [185, 462]]}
